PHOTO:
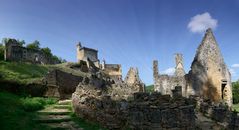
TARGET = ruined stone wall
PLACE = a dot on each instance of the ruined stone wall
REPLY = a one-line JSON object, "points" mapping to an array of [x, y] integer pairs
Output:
{"points": [[179, 69], [133, 80], [114, 71], [85, 54], [166, 83], [208, 78], [209, 75], [143, 111], [61, 84], [14, 52]]}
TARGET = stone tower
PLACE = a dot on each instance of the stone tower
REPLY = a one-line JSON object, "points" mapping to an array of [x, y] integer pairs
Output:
{"points": [[79, 52], [155, 70], [209, 75], [179, 69]]}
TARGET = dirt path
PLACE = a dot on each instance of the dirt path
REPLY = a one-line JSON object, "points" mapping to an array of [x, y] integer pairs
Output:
{"points": [[57, 116], [204, 123]]}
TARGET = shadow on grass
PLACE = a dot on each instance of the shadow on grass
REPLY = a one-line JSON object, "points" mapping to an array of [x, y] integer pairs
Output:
{"points": [[17, 113]]}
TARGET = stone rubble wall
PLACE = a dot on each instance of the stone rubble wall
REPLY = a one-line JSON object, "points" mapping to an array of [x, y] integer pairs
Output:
{"points": [[220, 113], [140, 111]]}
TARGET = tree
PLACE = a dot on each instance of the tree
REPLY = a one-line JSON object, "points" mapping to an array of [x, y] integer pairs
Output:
{"points": [[5, 40], [2, 52], [235, 92], [21, 42], [47, 51], [34, 45]]}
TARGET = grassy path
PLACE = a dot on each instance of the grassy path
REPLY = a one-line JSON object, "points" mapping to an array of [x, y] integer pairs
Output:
{"points": [[58, 117]]}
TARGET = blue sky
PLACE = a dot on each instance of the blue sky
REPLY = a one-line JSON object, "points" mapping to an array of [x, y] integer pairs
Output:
{"points": [[129, 32]]}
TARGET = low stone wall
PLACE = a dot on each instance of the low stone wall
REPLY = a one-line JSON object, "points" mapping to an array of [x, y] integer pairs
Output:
{"points": [[143, 111], [155, 111]]}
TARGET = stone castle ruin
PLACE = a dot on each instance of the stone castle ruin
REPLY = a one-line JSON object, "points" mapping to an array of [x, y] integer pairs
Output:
{"points": [[209, 77], [15, 52], [166, 83], [90, 55], [85, 54]]}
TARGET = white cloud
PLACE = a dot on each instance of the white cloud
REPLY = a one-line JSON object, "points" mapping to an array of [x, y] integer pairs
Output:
{"points": [[232, 71], [169, 71], [235, 65], [200, 22]]}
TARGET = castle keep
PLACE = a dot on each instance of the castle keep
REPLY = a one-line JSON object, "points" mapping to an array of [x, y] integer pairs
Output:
{"points": [[209, 77]]}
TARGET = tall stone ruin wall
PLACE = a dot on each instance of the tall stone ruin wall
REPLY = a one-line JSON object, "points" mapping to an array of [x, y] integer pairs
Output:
{"points": [[208, 78], [133, 80]]}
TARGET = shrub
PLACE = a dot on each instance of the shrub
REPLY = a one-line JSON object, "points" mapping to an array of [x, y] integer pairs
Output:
{"points": [[235, 92], [36, 103]]}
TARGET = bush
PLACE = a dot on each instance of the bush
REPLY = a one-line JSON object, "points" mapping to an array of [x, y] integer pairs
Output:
{"points": [[235, 92], [150, 88], [36, 103]]}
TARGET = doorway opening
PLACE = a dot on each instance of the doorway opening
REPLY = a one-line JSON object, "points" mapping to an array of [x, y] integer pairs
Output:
{"points": [[223, 86]]}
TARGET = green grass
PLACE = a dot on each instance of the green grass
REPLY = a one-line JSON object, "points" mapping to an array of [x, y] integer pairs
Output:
{"points": [[17, 113], [28, 73], [150, 88], [236, 107], [36, 103], [21, 72]]}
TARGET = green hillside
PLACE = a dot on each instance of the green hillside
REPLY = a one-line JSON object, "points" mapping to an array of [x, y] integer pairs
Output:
{"points": [[27, 72], [22, 72], [150, 88]]}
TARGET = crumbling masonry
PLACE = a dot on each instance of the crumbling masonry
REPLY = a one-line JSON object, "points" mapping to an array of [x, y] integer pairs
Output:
{"points": [[209, 77]]}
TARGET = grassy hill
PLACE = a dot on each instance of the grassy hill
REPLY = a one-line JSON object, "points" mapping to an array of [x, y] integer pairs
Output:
{"points": [[27, 72], [150, 88], [21, 72]]}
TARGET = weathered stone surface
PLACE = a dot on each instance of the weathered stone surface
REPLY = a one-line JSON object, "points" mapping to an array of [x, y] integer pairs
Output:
{"points": [[86, 54], [140, 111], [165, 83], [209, 76], [132, 79], [61, 84]]}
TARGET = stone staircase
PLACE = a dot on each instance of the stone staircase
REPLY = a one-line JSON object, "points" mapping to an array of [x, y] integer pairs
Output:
{"points": [[57, 117]]}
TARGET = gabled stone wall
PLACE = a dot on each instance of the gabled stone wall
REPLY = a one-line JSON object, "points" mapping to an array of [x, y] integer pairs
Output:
{"points": [[209, 77]]}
